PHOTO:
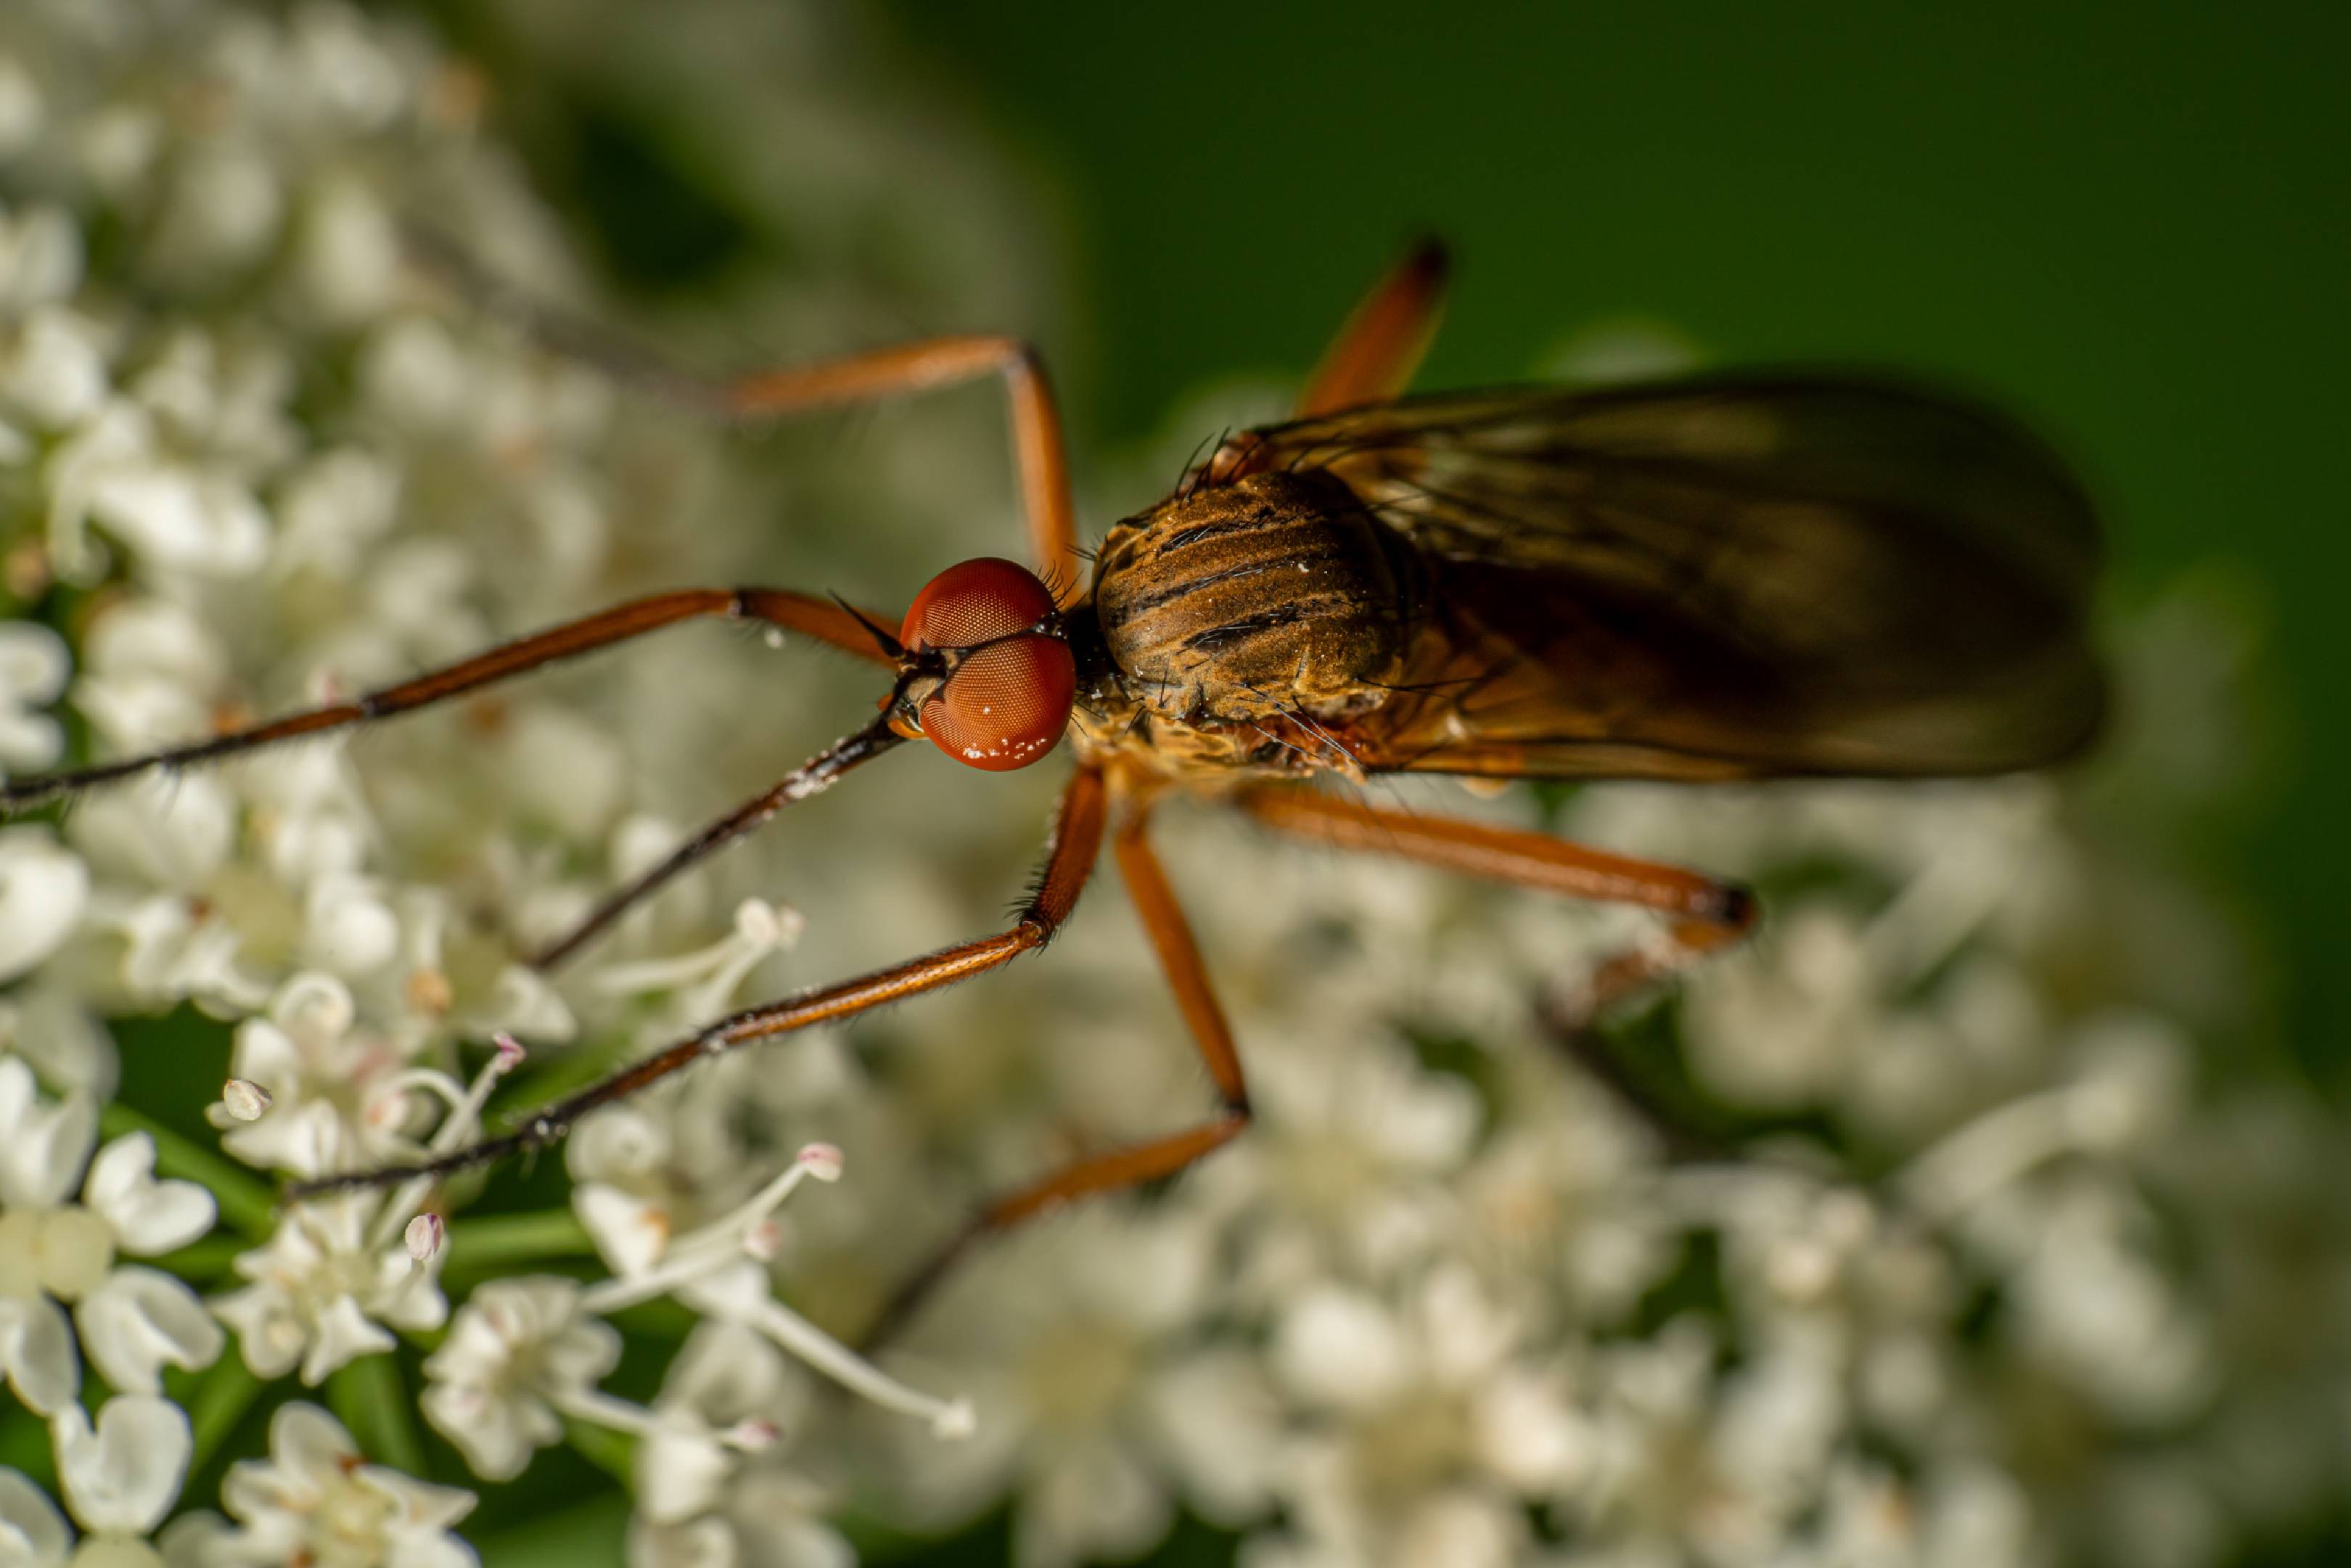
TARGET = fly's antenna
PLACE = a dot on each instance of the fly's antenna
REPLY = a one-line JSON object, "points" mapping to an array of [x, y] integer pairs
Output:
{"points": [[884, 638]]}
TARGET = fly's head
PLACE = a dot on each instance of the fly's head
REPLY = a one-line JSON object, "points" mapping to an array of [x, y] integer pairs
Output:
{"points": [[985, 670]]}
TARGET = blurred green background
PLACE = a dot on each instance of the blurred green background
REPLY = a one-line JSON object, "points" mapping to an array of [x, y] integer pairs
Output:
{"points": [[2130, 223]]}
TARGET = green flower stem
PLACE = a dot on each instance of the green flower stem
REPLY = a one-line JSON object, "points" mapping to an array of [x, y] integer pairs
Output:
{"points": [[591, 1531], [226, 1393], [661, 1318], [614, 1453], [370, 1398], [877, 1542], [498, 1241], [245, 1204], [202, 1261]]}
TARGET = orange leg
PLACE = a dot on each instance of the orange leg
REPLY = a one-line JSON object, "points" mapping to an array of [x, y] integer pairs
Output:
{"points": [[1704, 913], [1069, 859], [1373, 358], [1179, 956], [865, 377], [1037, 438], [823, 619]]}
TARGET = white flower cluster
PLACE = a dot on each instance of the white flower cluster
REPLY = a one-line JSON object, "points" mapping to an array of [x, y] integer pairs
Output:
{"points": [[1923, 1231], [1453, 1301], [252, 457]]}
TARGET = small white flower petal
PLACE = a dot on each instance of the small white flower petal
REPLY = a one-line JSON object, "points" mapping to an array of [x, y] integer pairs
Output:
{"points": [[314, 1010], [1342, 1350], [1220, 1426], [125, 1475], [706, 1542], [42, 1147], [734, 1293], [28, 740], [680, 1475], [442, 1550], [37, 1352], [629, 1232], [149, 1217], [199, 1540], [57, 373], [351, 929], [496, 1436], [269, 1334], [33, 1533], [725, 1372], [141, 1321], [407, 1296], [309, 1451], [182, 520], [175, 834], [1094, 1502], [20, 122], [33, 662], [525, 1004], [306, 1138], [266, 1054], [344, 1333], [53, 1028]]}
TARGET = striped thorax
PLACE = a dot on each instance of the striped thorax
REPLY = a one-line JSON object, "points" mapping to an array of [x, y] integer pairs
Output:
{"points": [[1275, 594]]}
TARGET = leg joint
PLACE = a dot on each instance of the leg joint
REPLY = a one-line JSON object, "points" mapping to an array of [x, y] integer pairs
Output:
{"points": [[1023, 358], [1733, 906]]}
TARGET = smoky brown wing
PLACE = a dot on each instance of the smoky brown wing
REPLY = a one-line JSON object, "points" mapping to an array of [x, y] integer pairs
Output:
{"points": [[1718, 577]]}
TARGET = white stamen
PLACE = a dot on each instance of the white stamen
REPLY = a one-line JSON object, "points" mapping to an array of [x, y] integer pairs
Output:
{"points": [[736, 1231], [2000, 1146], [386, 1101], [610, 1296], [949, 1418], [756, 922], [463, 1123], [511, 1052], [603, 1410]]}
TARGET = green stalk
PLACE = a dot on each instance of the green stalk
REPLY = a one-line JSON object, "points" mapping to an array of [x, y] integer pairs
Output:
{"points": [[614, 1453], [226, 1393], [588, 1533], [370, 1397], [498, 1241], [203, 1261]]}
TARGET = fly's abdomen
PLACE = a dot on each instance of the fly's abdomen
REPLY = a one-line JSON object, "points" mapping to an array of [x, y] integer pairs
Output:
{"points": [[1274, 593]]}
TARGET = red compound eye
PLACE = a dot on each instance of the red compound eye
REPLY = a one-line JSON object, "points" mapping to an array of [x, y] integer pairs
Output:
{"points": [[1006, 704], [971, 603]]}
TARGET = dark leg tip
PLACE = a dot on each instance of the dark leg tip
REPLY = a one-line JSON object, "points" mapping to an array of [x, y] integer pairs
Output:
{"points": [[1732, 905]]}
